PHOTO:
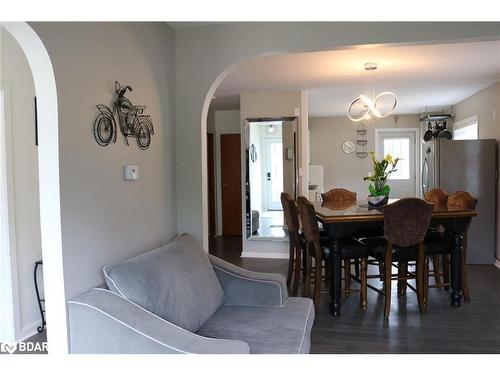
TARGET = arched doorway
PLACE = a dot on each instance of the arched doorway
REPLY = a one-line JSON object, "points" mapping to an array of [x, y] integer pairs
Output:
{"points": [[48, 164]]}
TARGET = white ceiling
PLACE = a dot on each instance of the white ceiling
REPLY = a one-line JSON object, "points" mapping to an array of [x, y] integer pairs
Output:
{"points": [[420, 76]]}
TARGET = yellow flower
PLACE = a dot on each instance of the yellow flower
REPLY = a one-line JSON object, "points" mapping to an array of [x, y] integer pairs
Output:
{"points": [[388, 158]]}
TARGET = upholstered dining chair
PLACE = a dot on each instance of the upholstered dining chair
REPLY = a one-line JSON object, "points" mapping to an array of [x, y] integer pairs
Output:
{"points": [[438, 197], [341, 199], [291, 214], [405, 224], [350, 249], [441, 243]]}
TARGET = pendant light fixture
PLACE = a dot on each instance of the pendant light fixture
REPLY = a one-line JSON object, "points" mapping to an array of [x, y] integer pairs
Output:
{"points": [[370, 107]]}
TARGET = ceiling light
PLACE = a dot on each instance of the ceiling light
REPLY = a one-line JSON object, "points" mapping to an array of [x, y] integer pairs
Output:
{"points": [[271, 129], [368, 107]]}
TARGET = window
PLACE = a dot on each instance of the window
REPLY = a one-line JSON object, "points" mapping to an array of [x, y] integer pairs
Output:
{"points": [[399, 148], [466, 129]]}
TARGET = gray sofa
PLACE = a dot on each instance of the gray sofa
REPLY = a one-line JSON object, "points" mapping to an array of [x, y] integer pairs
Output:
{"points": [[178, 299]]}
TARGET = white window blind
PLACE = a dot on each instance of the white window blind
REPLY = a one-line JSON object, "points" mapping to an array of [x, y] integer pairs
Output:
{"points": [[466, 129]]}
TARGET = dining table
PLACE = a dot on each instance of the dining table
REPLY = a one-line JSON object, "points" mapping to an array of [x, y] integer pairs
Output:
{"points": [[342, 220]]}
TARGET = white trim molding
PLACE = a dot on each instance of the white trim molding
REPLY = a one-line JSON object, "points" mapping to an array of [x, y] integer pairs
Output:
{"points": [[48, 167], [497, 263]]}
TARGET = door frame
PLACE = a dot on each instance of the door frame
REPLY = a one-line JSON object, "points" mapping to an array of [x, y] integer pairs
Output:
{"points": [[219, 179], [211, 174], [418, 192], [10, 278]]}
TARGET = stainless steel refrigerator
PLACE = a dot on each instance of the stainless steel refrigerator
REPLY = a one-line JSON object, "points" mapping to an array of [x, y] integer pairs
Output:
{"points": [[469, 165]]}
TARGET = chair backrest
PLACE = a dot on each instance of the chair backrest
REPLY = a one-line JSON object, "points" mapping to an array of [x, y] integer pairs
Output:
{"points": [[462, 200], [406, 221], [309, 220], [339, 198], [291, 213], [436, 196]]}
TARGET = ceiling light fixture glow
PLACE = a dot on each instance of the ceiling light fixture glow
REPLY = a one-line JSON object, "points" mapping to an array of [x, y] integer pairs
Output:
{"points": [[369, 106]]}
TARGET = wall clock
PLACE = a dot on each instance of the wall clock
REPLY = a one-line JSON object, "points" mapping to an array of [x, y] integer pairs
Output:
{"points": [[348, 147]]}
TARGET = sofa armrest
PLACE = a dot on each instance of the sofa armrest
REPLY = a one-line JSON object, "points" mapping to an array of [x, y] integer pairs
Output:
{"points": [[104, 322], [243, 287]]}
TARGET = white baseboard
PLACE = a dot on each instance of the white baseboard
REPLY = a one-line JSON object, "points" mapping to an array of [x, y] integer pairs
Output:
{"points": [[28, 331], [257, 254], [497, 263]]}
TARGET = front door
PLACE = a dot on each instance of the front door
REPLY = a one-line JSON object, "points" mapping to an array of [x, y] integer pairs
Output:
{"points": [[274, 173], [230, 154], [400, 144]]}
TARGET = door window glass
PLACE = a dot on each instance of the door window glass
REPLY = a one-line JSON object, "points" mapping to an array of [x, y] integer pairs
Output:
{"points": [[399, 148]]}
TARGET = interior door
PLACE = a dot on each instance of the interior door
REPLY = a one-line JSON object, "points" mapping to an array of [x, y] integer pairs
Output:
{"points": [[274, 173], [211, 183], [400, 144], [230, 149]]}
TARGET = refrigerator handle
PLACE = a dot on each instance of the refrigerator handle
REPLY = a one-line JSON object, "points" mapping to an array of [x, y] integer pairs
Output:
{"points": [[425, 173]]}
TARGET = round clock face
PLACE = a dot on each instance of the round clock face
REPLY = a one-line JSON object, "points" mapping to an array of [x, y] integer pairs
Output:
{"points": [[348, 147]]}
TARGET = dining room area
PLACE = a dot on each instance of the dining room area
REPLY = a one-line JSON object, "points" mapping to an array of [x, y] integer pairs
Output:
{"points": [[384, 190]]}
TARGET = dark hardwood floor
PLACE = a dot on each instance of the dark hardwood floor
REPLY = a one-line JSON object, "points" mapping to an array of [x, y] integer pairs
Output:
{"points": [[472, 328]]}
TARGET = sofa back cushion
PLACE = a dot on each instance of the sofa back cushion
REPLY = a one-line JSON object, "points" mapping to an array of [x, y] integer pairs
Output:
{"points": [[175, 282]]}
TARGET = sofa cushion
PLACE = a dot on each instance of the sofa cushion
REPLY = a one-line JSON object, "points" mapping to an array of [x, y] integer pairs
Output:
{"points": [[267, 330], [175, 282]]}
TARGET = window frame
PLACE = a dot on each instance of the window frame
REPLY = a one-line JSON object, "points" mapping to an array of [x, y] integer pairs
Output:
{"points": [[462, 124], [418, 150]]}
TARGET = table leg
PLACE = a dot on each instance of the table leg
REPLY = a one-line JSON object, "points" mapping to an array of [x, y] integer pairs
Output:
{"points": [[335, 275], [456, 269]]}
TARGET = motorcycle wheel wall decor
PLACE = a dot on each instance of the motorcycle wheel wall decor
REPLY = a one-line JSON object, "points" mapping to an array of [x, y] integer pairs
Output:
{"points": [[130, 118]]}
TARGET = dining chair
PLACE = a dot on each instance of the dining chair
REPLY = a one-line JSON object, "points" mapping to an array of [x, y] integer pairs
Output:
{"points": [[440, 263], [317, 252], [441, 243], [339, 198], [405, 224], [295, 242]]}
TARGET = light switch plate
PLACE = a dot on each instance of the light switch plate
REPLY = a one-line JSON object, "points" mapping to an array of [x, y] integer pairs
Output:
{"points": [[131, 172]]}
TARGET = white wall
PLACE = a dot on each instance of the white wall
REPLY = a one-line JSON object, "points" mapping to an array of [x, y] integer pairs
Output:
{"points": [[486, 105], [224, 122], [347, 170], [105, 219], [204, 54], [16, 75]]}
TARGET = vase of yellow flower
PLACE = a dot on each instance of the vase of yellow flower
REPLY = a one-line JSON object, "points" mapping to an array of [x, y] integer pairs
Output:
{"points": [[382, 169]]}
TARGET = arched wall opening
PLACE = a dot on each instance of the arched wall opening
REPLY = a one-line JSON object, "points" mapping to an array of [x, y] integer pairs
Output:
{"points": [[48, 165], [428, 40]]}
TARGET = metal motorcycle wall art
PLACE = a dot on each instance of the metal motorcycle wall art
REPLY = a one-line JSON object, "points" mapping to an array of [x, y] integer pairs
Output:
{"points": [[130, 118]]}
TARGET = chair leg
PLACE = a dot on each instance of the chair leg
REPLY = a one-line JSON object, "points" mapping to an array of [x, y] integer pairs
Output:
{"points": [[436, 267], [317, 282], [420, 277], [381, 270], [307, 283], [465, 281], [327, 272], [356, 267], [363, 294], [296, 276], [446, 271], [387, 280], [347, 276], [402, 271], [425, 285], [291, 260]]}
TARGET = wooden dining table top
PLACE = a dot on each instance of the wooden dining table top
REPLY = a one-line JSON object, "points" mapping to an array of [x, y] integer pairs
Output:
{"points": [[361, 212]]}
